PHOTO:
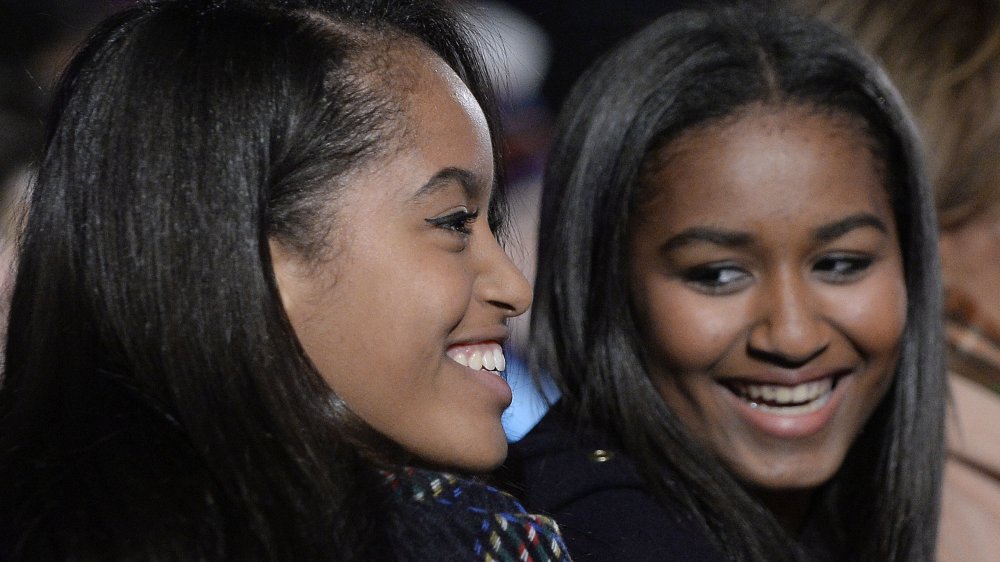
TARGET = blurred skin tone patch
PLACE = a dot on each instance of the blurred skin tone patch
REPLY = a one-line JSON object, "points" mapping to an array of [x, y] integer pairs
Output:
{"points": [[406, 318], [767, 276], [970, 262]]}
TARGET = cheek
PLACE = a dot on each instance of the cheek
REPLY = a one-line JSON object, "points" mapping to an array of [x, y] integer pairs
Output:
{"points": [[875, 317], [684, 331], [431, 297]]}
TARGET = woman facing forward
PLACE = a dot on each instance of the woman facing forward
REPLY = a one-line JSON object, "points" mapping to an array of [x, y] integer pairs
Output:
{"points": [[738, 298], [260, 296]]}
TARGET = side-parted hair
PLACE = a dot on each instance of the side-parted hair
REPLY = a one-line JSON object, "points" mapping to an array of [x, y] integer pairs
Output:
{"points": [[687, 70], [185, 136]]}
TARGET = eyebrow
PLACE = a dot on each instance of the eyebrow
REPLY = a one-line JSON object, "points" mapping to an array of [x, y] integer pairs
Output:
{"points": [[861, 220], [471, 183], [704, 234], [734, 239]]}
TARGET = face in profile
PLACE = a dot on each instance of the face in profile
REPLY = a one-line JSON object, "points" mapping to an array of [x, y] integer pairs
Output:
{"points": [[767, 275], [406, 317]]}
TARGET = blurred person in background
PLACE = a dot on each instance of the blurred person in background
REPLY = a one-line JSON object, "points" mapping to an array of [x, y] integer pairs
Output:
{"points": [[945, 59]]}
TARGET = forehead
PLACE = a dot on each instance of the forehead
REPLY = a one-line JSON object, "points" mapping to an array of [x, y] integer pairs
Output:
{"points": [[440, 127], [439, 102], [777, 162]]}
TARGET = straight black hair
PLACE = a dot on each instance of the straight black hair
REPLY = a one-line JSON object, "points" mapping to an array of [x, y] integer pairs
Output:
{"points": [[185, 136], [687, 70]]}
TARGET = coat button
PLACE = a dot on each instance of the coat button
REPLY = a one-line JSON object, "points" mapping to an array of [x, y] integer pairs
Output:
{"points": [[600, 455]]}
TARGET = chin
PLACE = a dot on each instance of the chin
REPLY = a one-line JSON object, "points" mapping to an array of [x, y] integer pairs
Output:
{"points": [[482, 456], [789, 476], [485, 461]]}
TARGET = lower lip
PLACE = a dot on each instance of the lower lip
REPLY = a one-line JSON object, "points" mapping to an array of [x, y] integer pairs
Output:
{"points": [[793, 426], [494, 382]]}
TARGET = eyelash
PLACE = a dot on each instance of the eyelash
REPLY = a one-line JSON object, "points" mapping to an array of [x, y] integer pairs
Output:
{"points": [[834, 272], [708, 278], [837, 269], [458, 221]]}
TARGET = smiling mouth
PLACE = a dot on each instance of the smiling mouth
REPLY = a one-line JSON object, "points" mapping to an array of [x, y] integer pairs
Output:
{"points": [[486, 356], [783, 400]]}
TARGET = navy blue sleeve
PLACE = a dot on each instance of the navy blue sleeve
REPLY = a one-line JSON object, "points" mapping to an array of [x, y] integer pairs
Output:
{"points": [[628, 524], [594, 491]]}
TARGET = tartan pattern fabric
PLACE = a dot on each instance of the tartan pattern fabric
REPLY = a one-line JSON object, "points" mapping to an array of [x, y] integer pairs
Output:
{"points": [[441, 516]]}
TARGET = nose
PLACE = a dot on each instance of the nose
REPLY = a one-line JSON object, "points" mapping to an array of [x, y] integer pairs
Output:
{"points": [[791, 329], [501, 283]]}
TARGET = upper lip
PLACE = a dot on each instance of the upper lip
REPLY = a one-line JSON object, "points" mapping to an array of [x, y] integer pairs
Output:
{"points": [[498, 334], [788, 377]]}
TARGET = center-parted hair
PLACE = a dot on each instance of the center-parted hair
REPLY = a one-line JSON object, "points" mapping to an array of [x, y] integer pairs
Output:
{"points": [[689, 70], [186, 136]]}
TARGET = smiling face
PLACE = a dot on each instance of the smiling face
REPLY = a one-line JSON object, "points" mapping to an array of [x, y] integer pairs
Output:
{"points": [[767, 276], [405, 317]]}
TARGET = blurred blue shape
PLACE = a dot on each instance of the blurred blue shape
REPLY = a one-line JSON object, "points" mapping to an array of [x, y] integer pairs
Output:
{"points": [[530, 403]]}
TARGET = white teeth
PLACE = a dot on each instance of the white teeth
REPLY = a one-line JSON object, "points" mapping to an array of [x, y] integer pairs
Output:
{"points": [[486, 356], [799, 393], [783, 395], [799, 410], [476, 360], [795, 400]]}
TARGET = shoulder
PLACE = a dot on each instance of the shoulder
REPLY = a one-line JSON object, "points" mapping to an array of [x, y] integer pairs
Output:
{"points": [[594, 490], [437, 516], [107, 478]]}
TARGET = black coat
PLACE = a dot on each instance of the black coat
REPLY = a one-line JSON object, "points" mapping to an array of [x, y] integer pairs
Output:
{"points": [[595, 493]]}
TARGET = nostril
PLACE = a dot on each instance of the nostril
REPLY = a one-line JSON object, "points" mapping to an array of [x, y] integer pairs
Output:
{"points": [[789, 333], [785, 360], [517, 295], [508, 308], [503, 284]]}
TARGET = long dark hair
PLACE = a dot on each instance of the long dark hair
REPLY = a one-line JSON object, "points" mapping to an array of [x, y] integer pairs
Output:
{"points": [[185, 136], [686, 70]]}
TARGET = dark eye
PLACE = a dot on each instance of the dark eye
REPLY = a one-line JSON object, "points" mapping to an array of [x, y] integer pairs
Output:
{"points": [[717, 279], [458, 221], [842, 268]]}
